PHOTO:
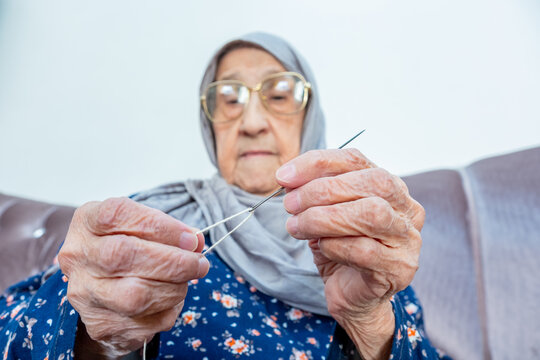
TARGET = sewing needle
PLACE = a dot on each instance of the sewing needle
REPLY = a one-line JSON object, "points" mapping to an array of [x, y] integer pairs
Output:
{"points": [[253, 208], [280, 190]]}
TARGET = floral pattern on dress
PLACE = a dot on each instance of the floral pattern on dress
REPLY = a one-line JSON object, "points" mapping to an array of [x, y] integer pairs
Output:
{"points": [[34, 317], [224, 317]]}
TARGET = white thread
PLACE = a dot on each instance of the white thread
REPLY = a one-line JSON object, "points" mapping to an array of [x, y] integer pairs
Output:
{"points": [[230, 232], [144, 350], [251, 210], [222, 221], [216, 243]]}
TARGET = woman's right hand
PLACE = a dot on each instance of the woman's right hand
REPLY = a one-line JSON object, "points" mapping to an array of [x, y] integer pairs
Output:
{"points": [[128, 266]]}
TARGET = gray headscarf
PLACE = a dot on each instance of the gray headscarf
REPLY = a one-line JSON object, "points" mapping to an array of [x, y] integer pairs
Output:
{"points": [[261, 250]]}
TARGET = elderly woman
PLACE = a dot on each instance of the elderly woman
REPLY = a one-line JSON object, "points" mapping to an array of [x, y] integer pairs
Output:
{"points": [[330, 281]]}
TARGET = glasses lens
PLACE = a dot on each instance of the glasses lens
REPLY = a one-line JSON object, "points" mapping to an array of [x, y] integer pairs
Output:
{"points": [[284, 94], [226, 102]]}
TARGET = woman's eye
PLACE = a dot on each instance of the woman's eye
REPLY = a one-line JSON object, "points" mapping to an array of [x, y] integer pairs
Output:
{"points": [[231, 101]]}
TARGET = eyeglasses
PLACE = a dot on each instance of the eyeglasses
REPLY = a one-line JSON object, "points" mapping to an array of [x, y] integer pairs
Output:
{"points": [[284, 93]]}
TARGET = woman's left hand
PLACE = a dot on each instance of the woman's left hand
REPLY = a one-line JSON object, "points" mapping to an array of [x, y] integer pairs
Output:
{"points": [[364, 230]]}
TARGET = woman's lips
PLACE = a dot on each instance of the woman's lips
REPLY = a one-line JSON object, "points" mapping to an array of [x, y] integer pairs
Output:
{"points": [[253, 153]]}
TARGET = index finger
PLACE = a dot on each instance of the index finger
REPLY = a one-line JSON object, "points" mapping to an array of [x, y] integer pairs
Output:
{"points": [[320, 163], [125, 216]]}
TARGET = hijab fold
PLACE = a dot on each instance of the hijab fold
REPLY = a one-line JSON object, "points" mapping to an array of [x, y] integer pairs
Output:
{"points": [[261, 250]]}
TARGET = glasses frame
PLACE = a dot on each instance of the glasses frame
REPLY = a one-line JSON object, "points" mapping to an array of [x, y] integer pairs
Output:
{"points": [[257, 88]]}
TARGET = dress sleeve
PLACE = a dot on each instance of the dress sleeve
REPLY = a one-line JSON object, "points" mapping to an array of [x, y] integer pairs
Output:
{"points": [[410, 340], [36, 320]]}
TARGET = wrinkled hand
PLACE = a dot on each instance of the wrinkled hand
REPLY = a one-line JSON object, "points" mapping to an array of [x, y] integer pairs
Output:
{"points": [[128, 266], [363, 228]]}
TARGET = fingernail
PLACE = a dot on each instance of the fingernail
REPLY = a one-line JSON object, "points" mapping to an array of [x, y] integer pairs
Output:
{"points": [[204, 265], [286, 173], [292, 225], [188, 241], [200, 239], [292, 202]]}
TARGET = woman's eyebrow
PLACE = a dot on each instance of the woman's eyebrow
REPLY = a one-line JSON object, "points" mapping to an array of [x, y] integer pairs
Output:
{"points": [[273, 71], [233, 76], [236, 75]]}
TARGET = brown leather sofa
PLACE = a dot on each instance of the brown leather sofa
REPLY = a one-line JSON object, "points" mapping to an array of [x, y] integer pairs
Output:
{"points": [[478, 279], [31, 233]]}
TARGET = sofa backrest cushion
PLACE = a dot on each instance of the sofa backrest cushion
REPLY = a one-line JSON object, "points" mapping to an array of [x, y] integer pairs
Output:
{"points": [[31, 233], [479, 269]]}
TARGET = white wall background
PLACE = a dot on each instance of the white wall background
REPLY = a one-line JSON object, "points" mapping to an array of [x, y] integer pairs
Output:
{"points": [[100, 98]]}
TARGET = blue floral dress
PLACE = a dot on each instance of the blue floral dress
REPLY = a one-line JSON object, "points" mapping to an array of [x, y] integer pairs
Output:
{"points": [[224, 317]]}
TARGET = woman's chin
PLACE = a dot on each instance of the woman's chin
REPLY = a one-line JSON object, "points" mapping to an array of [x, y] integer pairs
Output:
{"points": [[257, 177], [258, 186]]}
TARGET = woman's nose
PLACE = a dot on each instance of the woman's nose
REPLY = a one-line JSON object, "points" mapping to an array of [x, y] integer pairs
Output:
{"points": [[254, 118]]}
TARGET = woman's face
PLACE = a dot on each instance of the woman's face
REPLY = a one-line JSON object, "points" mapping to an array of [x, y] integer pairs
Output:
{"points": [[252, 148]]}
